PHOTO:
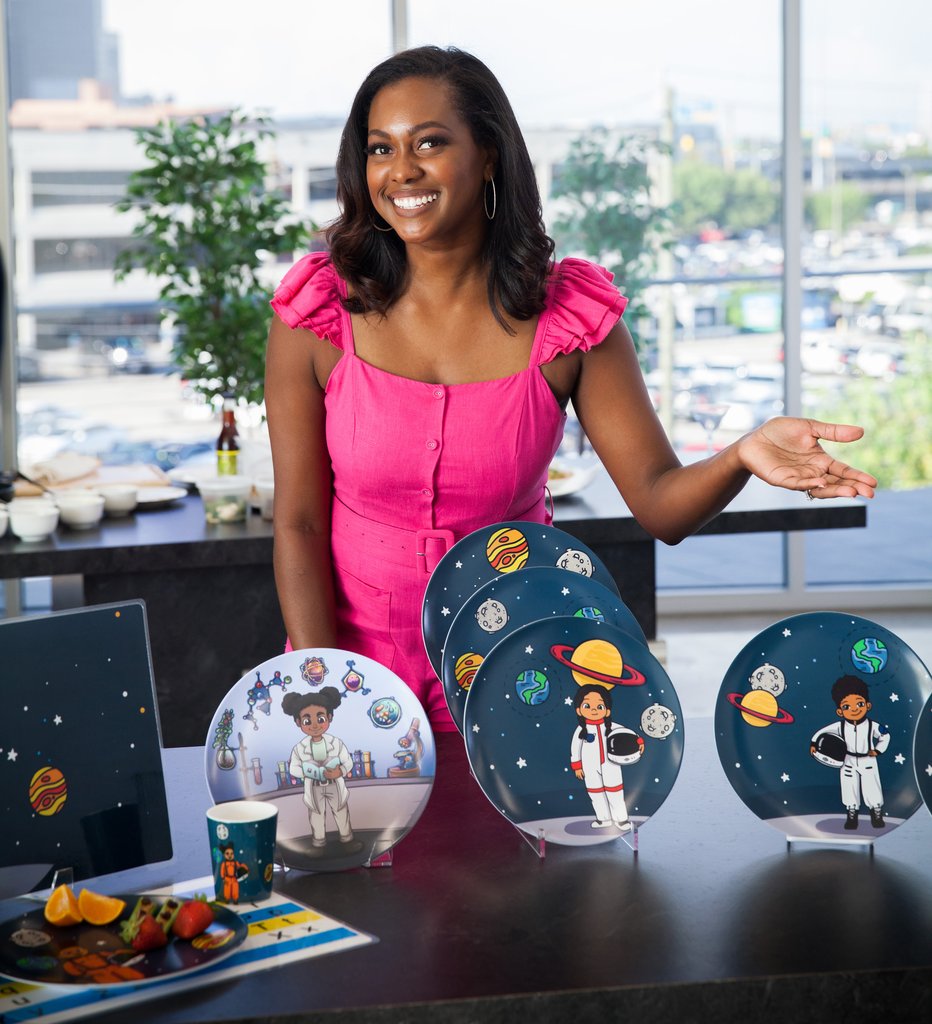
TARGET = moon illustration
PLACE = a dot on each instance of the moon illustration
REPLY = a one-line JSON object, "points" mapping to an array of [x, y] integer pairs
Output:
{"points": [[575, 561], [492, 615], [768, 677]]}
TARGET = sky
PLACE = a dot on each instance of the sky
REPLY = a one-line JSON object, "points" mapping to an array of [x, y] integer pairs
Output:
{"points": [[599, 61]]}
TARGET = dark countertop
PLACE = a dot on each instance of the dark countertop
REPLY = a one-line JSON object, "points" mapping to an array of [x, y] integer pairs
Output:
{"points": [[715, 919], [178, 537]]}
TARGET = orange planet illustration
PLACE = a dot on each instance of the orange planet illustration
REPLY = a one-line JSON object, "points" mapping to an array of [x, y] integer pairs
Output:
{"points": [[760, 708], [48, 791], [507, 550], [465, 669], [597, 661]]}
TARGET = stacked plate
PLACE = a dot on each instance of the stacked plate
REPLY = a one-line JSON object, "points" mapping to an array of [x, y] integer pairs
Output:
{"points": [[573, 729]]}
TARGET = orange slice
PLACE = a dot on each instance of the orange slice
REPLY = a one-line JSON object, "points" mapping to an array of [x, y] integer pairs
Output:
{"points": [[99, 909], [61, 908]]}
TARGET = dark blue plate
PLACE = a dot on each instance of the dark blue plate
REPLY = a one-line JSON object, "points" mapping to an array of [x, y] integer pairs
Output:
{"points": [[922, 754], [504, 604], [778, 722], [489, 553], [524, 738]]}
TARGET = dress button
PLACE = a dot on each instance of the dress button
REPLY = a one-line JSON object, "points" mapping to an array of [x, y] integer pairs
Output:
{"points": [[438, 392], [431, 445], [427, 492]]}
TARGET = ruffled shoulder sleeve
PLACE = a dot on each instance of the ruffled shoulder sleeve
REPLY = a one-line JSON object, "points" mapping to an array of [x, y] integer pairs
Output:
{"points": [[309, 297], [582, 307]]}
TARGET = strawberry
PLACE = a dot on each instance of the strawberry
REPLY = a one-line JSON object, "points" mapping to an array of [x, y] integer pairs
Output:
{"points": [[194, 917], [151, 935]]}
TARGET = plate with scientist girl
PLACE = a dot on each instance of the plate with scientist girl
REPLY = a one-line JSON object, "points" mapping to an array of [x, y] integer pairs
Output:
{"points": [[337, 742], [573, 730], [503, 605], [488, 554]]}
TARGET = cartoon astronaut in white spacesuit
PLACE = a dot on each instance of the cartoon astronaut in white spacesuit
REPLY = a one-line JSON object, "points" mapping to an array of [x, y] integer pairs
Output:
{"points": [[597, 751]]}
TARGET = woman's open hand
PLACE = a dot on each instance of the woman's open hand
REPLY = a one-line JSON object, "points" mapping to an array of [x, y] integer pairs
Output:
{"points": [[786, 452]]}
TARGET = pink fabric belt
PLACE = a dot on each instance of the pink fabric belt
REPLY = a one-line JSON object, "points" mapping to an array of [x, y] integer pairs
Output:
{"points": [[421, 549]]}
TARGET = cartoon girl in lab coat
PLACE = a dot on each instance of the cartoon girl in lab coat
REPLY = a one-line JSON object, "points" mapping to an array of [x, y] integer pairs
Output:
{"points": [[322, 761]]}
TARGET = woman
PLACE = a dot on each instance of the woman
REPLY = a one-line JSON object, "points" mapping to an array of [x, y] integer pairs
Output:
{"points": [[417, 377]]}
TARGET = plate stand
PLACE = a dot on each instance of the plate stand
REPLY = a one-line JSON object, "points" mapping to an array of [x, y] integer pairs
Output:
{"points": [[538, 843], [62, 876], [858, 844], [381, 860]]}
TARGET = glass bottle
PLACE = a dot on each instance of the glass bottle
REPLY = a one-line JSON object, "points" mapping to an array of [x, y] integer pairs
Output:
{"points": [[228, 442]]}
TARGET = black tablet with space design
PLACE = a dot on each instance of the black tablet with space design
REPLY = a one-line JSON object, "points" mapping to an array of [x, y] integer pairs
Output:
{"points": [[81, 782]]}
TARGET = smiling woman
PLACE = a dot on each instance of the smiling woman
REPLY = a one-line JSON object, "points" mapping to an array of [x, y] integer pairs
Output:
{"points": [[417, 376]]}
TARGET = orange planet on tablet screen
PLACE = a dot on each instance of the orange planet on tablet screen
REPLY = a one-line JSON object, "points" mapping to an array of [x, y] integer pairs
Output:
{"points": [[48, 791]]}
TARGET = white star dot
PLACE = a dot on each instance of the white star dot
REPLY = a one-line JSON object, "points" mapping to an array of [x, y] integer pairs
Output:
{"points": [[565, 591], [894, 697], [529, 649], [568, 701], [444, 611], [459, 565], [521, 763], [57, 719], [929, 770], [787, 632], [900, 759], [784, 777], [12, 755], [475, 728]]}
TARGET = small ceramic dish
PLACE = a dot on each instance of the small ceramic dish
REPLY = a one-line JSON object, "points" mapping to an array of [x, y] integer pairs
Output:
{"points": [[33, 519], [81, 510], [119, 499]]}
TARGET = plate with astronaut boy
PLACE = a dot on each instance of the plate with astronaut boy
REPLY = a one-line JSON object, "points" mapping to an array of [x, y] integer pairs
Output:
{"points": [[503, 605], [573, 730], [814, 725], [337, 742], [488, 554], [922, 753]]}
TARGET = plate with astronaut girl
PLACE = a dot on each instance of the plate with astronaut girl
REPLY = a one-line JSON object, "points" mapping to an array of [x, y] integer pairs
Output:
{"points": [[337, 742], [814, 725], [573, 730], [504, 604], [922, 754], [488, 554]]}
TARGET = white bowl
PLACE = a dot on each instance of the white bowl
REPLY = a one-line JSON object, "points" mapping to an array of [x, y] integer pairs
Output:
{"points": [[33, 518], [4, 519], [80, 510], [119, 499]]}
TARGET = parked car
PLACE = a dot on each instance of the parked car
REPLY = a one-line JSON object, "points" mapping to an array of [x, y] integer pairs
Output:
{"points": [[880, 359], [827, 353]]}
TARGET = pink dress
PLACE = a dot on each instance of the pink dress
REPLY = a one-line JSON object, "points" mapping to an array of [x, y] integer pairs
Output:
{"points": [[418, 465]]}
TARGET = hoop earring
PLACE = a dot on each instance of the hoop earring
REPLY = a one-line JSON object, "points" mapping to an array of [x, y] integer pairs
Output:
{"points": [[377, 228], [485, 199]]}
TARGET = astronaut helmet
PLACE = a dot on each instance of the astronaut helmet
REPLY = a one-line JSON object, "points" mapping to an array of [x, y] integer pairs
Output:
{"points": [[830, 750], [624, 746]]}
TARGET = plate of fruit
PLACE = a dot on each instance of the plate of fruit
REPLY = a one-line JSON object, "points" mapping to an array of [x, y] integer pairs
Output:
{"points": [[91, 939]]}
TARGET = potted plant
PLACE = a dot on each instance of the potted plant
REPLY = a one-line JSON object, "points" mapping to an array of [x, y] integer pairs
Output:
{"points": [[206, 223]]}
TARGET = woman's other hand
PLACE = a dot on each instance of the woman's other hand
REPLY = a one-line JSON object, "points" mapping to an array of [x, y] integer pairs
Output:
{"points": [[786, 452]]}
